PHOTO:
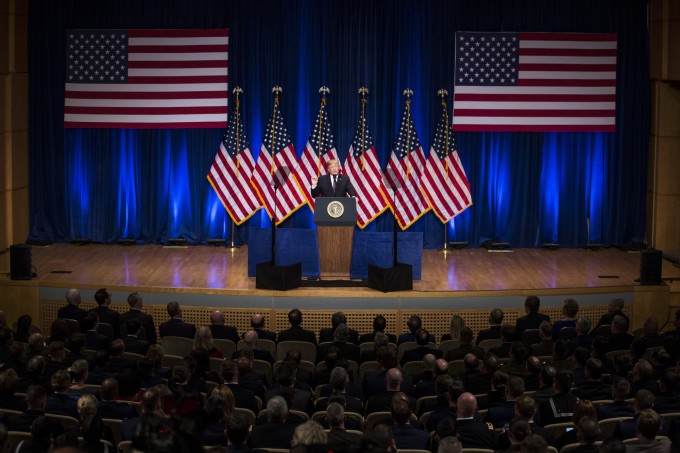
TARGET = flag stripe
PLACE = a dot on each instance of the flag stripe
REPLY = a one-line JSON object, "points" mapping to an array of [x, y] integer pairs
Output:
{"points": [[537, 97], [529, 110], [551, 127], [114, 68]]}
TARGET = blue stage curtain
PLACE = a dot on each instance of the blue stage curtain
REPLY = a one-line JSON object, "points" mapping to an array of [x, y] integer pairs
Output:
{"points": [[150, 185]]}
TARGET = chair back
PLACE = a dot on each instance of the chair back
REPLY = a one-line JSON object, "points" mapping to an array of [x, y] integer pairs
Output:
{"points": [[226, 346], [456, 367], [608, 425], [422, 400], [414, 368], [559, 428], [250, 415], [69, 424], [366, 367], [134, 356], [14, 438], [490, 343], [576, 446], [106, 329], [171, 360], [179, 346], [307, 350], [125, 446], [408, 345], [215, 364], [604, 331], [262, 366], [531, 336], [567, 333], [446, 346], [611, 354], [262, 345], [114, 424], [73, 325]]}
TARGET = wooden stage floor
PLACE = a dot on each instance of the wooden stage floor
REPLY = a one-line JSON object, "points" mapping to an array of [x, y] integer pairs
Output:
{"points": [[218, 270]]}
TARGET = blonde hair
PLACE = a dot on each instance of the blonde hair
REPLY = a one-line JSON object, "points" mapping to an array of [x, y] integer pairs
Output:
{"points": [[87, 407], [204, 339], [457, 324], [309, 433], [155, 354], [225, 392]]}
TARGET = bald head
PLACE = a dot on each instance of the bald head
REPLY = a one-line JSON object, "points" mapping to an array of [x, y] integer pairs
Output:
{"points": [[217, 317], [429, 361], [393, 379], [257, 321], [441, 366], [467, 405], [250, 338]]}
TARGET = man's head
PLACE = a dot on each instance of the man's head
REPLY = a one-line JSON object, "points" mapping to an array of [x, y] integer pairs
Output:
{"points": [[333, 166], [534, 443], [150, 402], [534, 365], [514, 388], [651, 326], [648, 424], [525, 407], [615, 305], [583, 326], [441, 367], [564, 380], [644, 399], [414, 323], [341, 333], [91, 321], [338, 318], [467, 405], [109, 389], [295, 317], [216, 318], [102, 297], [393, 379], [428, 362], [594, 369], [36, 342], [471, 362], [73, 297], [257, 321], [401, 412], [496, 316], [532, 304], [518, 352], [620, 389], [277, 409], [450, 444], [335, 415], [545, 330], [379, 323], [250, 338], [422, 337], [35, 398], [339, 379], [619, 324], [133, 326], [238, 428], [135, 301], [174, 310], [466, 335]]}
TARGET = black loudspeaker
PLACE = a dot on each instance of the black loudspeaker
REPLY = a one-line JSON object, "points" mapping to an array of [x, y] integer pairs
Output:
{"points": [[389, 279], [20, 265], [650, 267], [280, 278]]}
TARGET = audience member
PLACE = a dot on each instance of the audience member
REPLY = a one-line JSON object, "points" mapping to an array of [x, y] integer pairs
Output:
{"points": [[302, 376], [525, 409], [203, 340], [93, 339], [432, 369], [465, 346], [472, 433], [238, 432], [378, 440], [582, 339], [569, 311], [110, 407], [176, 326], [502, 413], [380, 340], [494, 330], [309, 437], [614, 309], [101, 368], [587, 433], [627, 429], [327, 334], [148, 328], [348, 350], [257, 323], [285, 377], [413, 324], [517, 431], [546, 344], [132, 341], [668, 398], [295, 332], [532, 319], [518, 356], [650, 338], [105, 314], [406, 436], [374, 381], [643, 378], [583, 409], [92, 429], [151, 415], [381, 400], [456, 327], [217, 413], [534, 444], [448, 391], [220, 330], [250, 339], [36, 399], [619, 407], [379, 325], [60, 402], [559, 407], [243, 397], [276, 433], [422, 348], [593, 389], [338, 439], [647, 427], [72, 309]]}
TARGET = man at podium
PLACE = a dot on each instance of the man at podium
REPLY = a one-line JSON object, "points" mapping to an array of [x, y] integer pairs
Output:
{"points": [[332, 184]]}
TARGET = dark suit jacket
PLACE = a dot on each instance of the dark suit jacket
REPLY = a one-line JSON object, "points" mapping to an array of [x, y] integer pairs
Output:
{"points": [[476, 382], [243, 397], [297, 333], [149, 328], [501, 414], [110, 317], [491, 332], [265, 335], [96, 341], [72, 312], [61, 404], [418, 353], [349, 351], [272, 435], [340, 441], [116, 410], [177, 328], [407, 436], [459, 352], [593, 391], [23, 422], [302, 400], [473, 434], [370, 337], [560, 411], [607, 319], [615, 410], [343, 187], [530, 321], [382, 402], [134, 344], [327, 334], [224, 332], [374, 383], [352, 389]]}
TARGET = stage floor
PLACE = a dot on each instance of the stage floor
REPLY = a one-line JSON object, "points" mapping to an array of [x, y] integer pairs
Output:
{"points": [[220, 270]]}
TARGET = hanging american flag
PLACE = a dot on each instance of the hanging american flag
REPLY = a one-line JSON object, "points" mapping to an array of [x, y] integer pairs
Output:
{"points": [[535, 82], [146, 79], [231, 171], [272, 171], [363, 168], [404, 171], [444, 182], [319, 150]]}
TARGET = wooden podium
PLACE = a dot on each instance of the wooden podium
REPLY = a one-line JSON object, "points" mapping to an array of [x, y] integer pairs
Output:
{"points": [[335, 219]]}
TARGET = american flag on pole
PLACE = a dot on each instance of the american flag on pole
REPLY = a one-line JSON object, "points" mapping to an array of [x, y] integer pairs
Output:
{"points": [[231, 171], [363, 168], [405, 169], [319, 150], [273, 169], [535, 82], [444, 182], [146, 79]]}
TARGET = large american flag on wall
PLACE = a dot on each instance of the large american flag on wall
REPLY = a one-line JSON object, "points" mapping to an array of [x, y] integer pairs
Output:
{"points": [[146, 79], [535, 82]]}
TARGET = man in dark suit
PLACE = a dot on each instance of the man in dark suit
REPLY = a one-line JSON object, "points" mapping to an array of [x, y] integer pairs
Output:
{"points": [[118, 363], [582, 339], [150, 405], [327, 333], [339, 440], [132, 341], [220, 330], [473, 433], [243, 397], [380, 340], [478, 381], [426, 384], [593, 389], [620, 339], [296, 332], [349, 351], [250, 339], [276, 433], [406, 436], [422, 348], [559, 407], [374, 382], [615, 309], [257, 323], [59, 402], [414, 324], [176, 327], [525, 409], [465, 346], [93, 339], [504, 411], [35, 403], [381, 400], [494, 330], [533, 318], [332, 184], [106, 315], [627, 429], [109, 406], [379, 325], [148, 332], [619, 407], [72, 310], [285, 376]]}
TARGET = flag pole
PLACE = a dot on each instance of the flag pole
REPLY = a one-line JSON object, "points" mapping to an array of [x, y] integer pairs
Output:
{"points": [[237, 91], [443, 93], [408, 93], [323, 91], [363, 91]]}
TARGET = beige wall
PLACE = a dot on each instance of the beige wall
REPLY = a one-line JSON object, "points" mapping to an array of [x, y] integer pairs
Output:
{"points": [[14, 209]]}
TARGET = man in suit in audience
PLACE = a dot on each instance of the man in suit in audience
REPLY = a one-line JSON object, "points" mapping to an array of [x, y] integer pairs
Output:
{"points": [[36, 398], [349, 351], [533, 318], [110, 407], [250, 339], [339, 440], [72, 309], [302, 376], [243, 397], [448, 392], [257, 323], [508, 335], [559, 407], [247, 377], [472, 433], [647, 428], [582, 339], [381, 401], [494, 330], [650, 338], [465, 347], [414, 324], [406, 436], [619, 407], [504, 411], [150, 405], [533, 371], [615, 309], [379, 340], [478, 381], [593, 389], [525, 409], [148, 332], [433, 368], [176, 326], [422, 348], [118, 363], [59, 402], [627, 429], [220, 330], [93, 339], [327, 333], [296, 332], [374, 382], [131, 340], [107, 315], [276, 433], [546, 381], [668, 398], [545, 346], [339, 381], [285, 377], [379, 325]]}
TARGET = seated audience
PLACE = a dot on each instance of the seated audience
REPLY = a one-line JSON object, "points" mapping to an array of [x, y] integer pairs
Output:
{"points": [[559, 407], [295, 332], [106, 314], [627, 429], [338, 439], [456, 327], [593, 389], [647, 428], [532, 319], [131, 340], [220, 330], [379, 325], [275, 433], [494, 330], [327, 333], [619, 407], [569, 311], [473, 433], [176, 326], [147, 327], [422, 348], [60, 402], [72, 309], [465, 346], [614, 309], [110, 407], [92, 429], [204, 340], [308, 437], [406, 436], [584, 409], [546, 345], [257, 323]]}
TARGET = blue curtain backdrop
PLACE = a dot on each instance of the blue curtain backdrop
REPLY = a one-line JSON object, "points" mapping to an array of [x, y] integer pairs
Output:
{"points": [[150, 185]]}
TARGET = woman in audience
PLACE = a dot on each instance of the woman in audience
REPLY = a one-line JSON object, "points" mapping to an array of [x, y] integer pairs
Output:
{"points": [[204, 340], [58, 331], [217, 416], [9, 381], [457, 324], [92, 428], [309, 437], [23, 329], [518, 431], [155, 355], [584, 408], [79, 372], [569, 311]]}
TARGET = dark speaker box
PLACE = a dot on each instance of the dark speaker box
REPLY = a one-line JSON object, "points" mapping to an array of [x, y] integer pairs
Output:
{"points": [[280, 278], [20, 265], [389, 279], [650, 267]]}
